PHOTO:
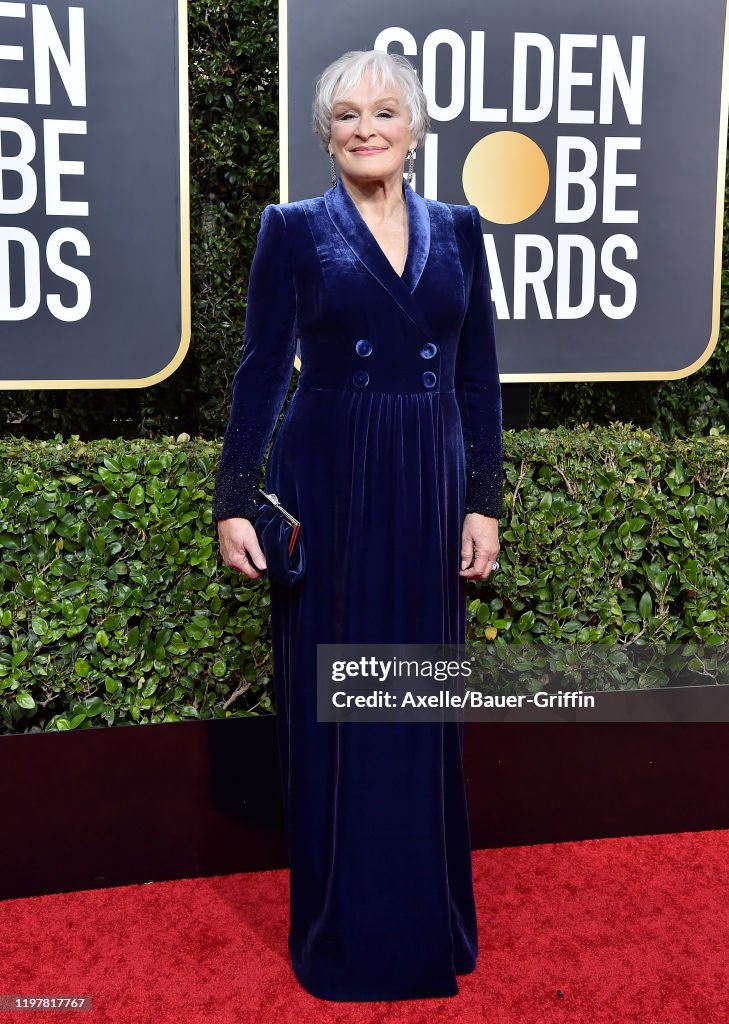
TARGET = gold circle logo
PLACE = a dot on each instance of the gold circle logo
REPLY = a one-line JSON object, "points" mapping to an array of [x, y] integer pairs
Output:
{"points": [[506, 176]]}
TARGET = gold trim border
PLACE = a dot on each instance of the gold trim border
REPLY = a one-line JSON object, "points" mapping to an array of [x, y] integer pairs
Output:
{"points": [[185, 297], [510, 378]]}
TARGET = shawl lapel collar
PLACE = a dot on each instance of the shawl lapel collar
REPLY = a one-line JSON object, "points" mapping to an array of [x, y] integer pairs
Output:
{"points": [[353, 229]]}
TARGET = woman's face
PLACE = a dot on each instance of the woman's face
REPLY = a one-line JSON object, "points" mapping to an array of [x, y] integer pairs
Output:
{"points": [[370, 137]]}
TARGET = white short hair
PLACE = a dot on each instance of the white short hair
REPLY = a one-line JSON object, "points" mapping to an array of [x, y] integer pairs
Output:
{"points": [[342, 75]]}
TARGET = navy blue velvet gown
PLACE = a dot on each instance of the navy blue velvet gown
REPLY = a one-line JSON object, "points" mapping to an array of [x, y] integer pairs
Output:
{"points": [[392, 434]]}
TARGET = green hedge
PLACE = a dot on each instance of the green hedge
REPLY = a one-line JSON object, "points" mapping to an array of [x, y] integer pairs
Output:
{"points": [[116, 609]]}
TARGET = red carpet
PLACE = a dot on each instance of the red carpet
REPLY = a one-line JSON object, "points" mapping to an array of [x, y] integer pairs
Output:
{"points": [[606, 931]]}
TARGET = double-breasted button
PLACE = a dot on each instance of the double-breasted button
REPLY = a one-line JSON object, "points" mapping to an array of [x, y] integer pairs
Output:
{"points": [[360, 378], [428, 350], [363, 347], [429, 379]]}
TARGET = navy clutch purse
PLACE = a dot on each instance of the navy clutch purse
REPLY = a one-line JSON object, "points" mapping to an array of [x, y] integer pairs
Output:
{"points": [[279, 534]]}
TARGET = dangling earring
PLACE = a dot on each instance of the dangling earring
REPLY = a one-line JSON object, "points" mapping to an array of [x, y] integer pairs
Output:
{"points": [[332, 167], [411, 158]]}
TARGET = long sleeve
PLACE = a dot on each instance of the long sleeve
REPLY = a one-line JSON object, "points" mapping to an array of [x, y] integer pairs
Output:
{"points": [[262, 379], [478, 390]]}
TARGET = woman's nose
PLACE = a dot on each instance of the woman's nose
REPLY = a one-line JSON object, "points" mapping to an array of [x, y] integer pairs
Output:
{"points": [[364, 127]]}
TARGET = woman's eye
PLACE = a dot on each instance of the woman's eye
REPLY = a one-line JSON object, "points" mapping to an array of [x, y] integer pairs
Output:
{"points": [[349, 115]]}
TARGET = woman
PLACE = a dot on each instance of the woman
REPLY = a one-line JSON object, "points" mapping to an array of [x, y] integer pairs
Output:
{"points": [[390, 456]]}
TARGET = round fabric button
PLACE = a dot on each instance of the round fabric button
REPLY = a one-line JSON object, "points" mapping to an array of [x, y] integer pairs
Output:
{"points": [[428, 350], [429, 378], [361, 378], [363, 347]]}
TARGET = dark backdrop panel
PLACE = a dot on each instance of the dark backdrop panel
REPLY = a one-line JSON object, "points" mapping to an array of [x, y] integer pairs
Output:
{"points": [[128, 141], [107, 807]]}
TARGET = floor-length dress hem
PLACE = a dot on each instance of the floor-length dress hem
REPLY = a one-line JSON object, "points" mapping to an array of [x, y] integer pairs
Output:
{"points": [[351, 995], [348, 994]]}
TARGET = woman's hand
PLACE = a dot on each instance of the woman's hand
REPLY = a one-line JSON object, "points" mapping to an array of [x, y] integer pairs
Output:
{"points": [[239, 546], [479, 545]]}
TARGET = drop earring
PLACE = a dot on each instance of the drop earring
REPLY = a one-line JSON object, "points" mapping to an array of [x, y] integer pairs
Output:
{"points": [[411, 158], [332, 168]]}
